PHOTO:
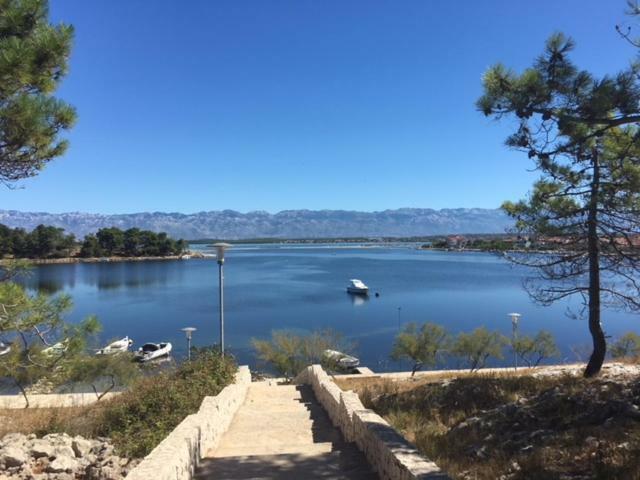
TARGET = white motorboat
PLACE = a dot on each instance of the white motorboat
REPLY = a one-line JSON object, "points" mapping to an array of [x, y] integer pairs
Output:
{"points": [[57, 348], [150, 351], [4, 348], [340, 359], [118, 346], [357, 287]]}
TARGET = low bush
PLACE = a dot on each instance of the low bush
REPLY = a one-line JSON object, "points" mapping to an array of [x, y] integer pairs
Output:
{"points": [[141, 417]]}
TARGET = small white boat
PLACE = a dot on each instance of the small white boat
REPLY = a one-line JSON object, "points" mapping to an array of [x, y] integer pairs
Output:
{"points": [[56, 349], [150, 351], [342, 360], [4, 348], [357, 287], [118, 346]]}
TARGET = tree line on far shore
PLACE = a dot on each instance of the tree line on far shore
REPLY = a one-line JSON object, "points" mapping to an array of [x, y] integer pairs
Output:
{"points": [[47, 242]]}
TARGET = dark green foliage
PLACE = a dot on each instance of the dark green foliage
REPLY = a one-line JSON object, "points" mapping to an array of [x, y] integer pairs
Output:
{"points": [[110, 242], [33, 61], [51, 242], [148, 411], [42, 242], [420, 345], [582, 134]]}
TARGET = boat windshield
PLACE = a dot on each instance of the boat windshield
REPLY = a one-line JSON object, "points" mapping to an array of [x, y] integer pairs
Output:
{"points": [[149, 347]]}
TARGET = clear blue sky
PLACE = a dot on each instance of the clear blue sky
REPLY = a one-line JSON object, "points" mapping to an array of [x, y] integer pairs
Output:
{"points": [[272, 105]]}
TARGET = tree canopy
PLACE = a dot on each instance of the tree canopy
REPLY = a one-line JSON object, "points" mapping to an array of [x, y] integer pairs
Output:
{"points": [[581, 133], [33, 60], [421, 344]]}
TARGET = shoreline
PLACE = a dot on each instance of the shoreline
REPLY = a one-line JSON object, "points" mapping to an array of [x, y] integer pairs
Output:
{"points": [[71, 260]]}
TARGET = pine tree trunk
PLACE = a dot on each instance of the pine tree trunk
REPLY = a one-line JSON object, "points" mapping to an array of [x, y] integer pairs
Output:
{"points": [[595, 328]]}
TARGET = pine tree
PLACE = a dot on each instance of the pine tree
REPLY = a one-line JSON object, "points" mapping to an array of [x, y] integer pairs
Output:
{"points": [[582, 134], [33, 60]]}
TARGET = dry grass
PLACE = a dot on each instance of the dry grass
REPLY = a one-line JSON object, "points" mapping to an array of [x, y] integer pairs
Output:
{"points": [[488, 426], [41, 421]]}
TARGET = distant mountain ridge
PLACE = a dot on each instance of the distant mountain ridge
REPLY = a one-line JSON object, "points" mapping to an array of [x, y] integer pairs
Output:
{"points": [[230, 224]]}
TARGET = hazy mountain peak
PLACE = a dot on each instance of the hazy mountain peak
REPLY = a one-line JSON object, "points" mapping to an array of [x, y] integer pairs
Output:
{"points": [[231, 224]]}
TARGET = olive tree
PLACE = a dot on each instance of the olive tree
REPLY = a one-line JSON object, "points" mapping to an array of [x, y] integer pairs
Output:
{"points": [[476, 347], [532, 350], [626, 346], [420, 345], [289, 353]]}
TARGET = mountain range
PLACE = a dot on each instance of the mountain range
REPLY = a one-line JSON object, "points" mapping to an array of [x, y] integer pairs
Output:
{"points": [[229, 224]]}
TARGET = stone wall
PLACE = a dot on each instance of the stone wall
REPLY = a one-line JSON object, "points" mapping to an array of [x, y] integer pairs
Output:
{"points": [[178, 455], [388, 452]]}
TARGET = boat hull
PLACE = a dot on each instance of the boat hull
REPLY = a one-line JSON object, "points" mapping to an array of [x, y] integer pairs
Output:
{"points": [[358, 291]]}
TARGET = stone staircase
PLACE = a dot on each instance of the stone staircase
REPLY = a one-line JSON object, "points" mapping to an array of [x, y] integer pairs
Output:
{"points": [[281, 432]]}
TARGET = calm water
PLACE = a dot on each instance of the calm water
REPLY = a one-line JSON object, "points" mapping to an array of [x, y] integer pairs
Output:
{"points": [[303, 288]]}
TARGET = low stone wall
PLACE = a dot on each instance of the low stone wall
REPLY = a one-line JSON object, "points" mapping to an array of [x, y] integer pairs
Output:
{"points": [[52, 400], [178, 455], [388, 452]]}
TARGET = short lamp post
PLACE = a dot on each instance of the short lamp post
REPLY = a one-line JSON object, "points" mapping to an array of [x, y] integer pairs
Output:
{"points": [[220, 248], [514, 335], [188, 331]]}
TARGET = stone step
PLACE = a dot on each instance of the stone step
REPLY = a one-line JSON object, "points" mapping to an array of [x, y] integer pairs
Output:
{"points": [[282, 432], [345, 464], [280, 448]]}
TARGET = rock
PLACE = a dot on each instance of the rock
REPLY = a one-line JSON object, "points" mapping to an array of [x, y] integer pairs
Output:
{"points": [[591, 442], [14, 439], [63, 464], [41, 448], [12, 456], [64, 451], [81, 447]]}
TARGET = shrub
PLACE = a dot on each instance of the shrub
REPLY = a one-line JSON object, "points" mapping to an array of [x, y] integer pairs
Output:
{"points": [[420, 345], [626, 346], [532, 350], [477, 347], [145, 414], [289, 353]]}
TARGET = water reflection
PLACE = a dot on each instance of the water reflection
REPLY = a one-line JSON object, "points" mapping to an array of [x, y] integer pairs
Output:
{"points": [[358, 300], [52, 279]]}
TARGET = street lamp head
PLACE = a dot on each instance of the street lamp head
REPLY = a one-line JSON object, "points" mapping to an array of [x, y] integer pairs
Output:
{"points": [[220, 248], [514, 317], [188, 331]]}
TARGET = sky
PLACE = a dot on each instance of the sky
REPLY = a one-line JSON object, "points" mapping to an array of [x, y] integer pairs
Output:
{"points": [[299, 104]]}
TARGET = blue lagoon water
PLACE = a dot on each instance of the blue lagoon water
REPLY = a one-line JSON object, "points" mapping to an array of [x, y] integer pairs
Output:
{"points": [[302, 288]]}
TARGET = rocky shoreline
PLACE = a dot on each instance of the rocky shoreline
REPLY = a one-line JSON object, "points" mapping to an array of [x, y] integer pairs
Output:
{"points": [[67, 260], [58, 456]]}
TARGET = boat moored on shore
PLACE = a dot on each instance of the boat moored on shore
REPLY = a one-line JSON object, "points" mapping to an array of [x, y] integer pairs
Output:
{"points": [[118, 346], [341, 360], [151, 351]]}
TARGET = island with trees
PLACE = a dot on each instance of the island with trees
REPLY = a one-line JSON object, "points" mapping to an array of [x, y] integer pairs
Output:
{"points": [[47, 244]]}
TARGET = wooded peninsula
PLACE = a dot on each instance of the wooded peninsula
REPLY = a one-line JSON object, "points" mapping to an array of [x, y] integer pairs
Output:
{"points": [[50, 243]]}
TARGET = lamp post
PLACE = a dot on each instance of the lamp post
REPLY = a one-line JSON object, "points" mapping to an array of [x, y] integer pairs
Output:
{"points": [[188, 331], [220, 248], [514, 332]]}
